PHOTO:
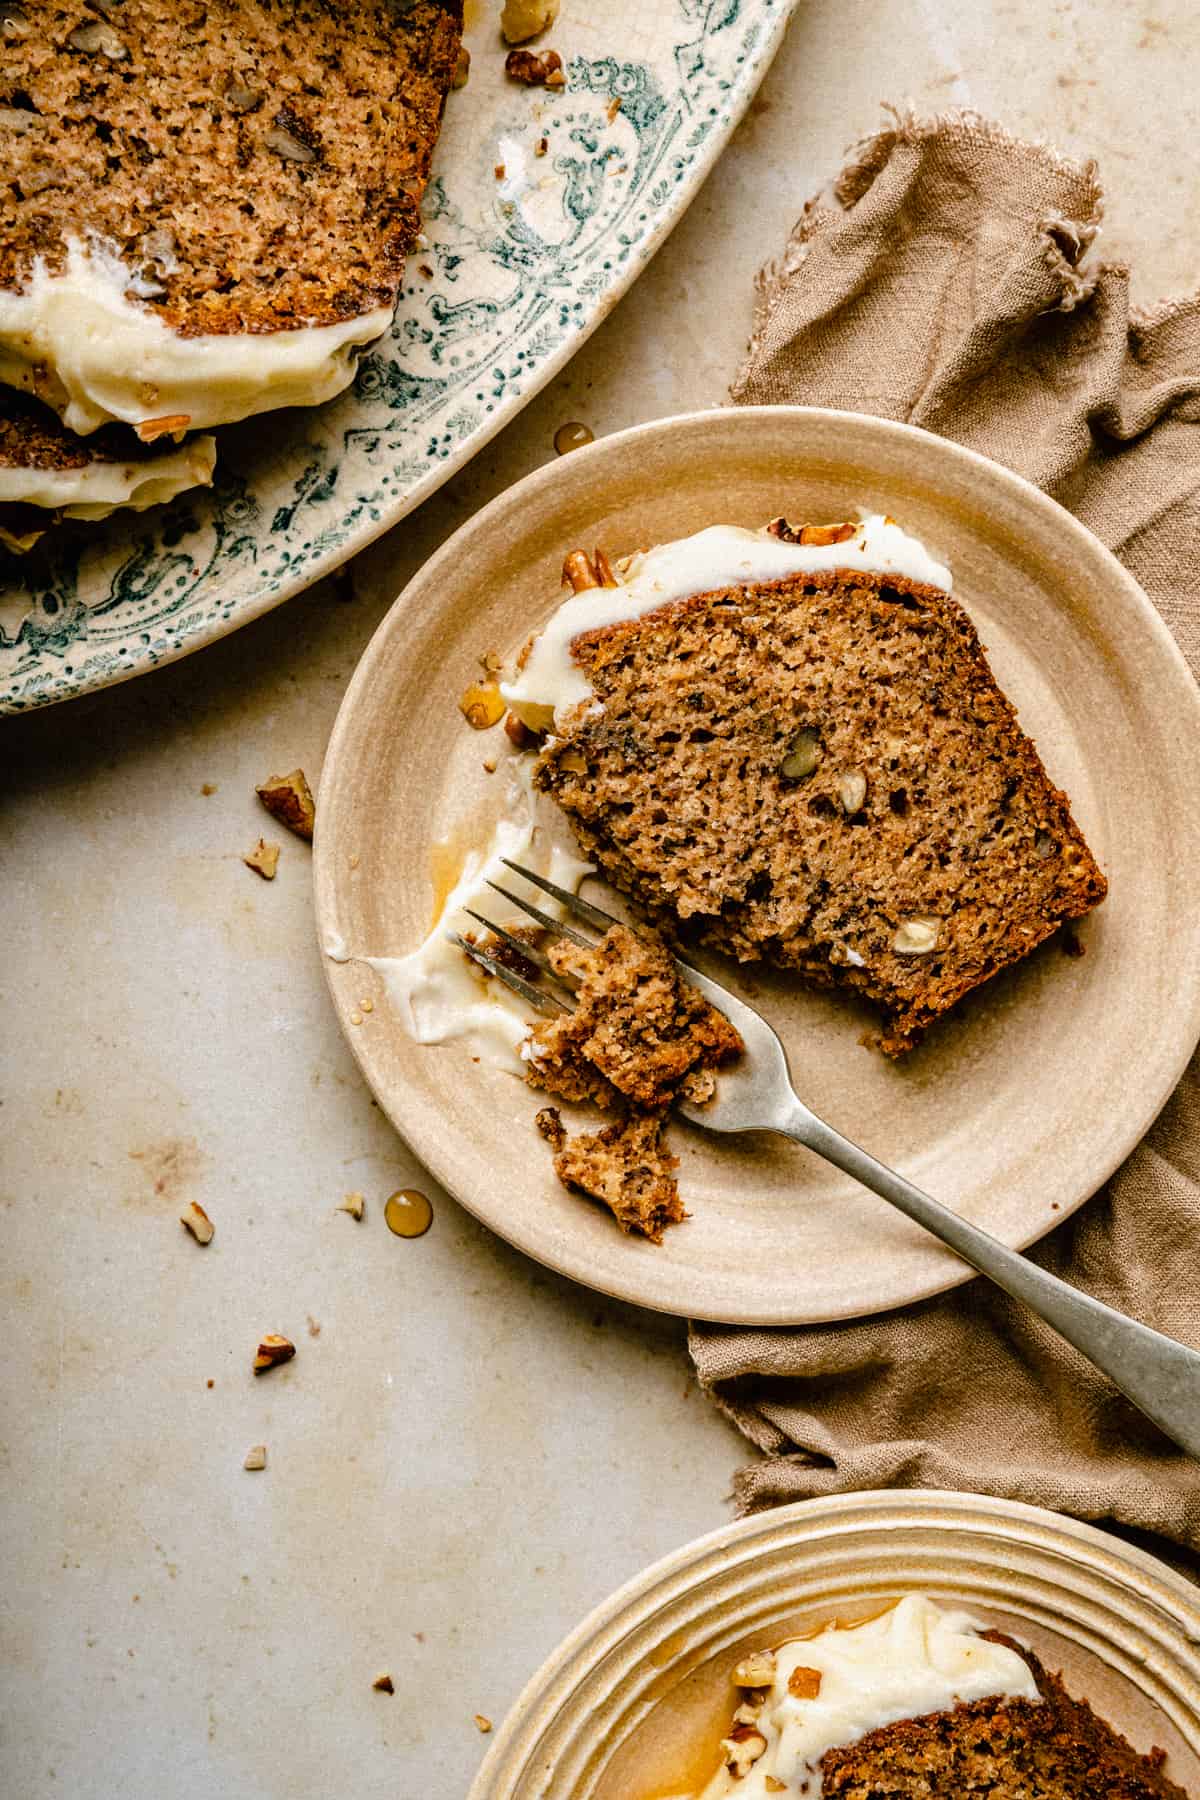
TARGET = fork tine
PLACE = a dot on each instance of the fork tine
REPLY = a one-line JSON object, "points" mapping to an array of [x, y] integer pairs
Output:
{"points": [[529, 951], [554, 925], [583, 909], [544, 1003]]}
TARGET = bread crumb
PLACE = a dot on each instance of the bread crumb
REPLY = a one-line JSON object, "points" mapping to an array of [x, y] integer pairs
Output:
{"points": [[263, 859], [314, 1328], [256, 1457], [383, 1684], [482, 1722], [354, 1204], [207, 788]]}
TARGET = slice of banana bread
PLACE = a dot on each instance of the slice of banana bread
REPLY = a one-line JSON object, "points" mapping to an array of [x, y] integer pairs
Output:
{"points": [[1055, 1749], [46, 472], [248, 166], [821, 772]]}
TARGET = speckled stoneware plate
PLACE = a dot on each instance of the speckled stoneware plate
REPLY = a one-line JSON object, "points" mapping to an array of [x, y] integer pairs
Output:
{"points": [[1020, 1105], [519, 272], [630, 1707]]}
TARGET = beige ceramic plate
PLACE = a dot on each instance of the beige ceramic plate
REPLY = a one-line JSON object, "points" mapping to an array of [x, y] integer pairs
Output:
{"points": [[630, 1707], [1019, 1107]]}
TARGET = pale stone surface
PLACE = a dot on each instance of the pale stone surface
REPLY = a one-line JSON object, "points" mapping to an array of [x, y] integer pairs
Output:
{"points": [[471, 1452]]}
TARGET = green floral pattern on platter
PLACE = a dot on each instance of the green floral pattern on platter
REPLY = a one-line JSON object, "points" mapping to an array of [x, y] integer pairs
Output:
{"points": [[516, 270]]}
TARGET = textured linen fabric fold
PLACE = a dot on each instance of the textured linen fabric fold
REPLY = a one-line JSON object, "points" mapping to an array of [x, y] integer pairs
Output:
{"points": [[949, 279]]}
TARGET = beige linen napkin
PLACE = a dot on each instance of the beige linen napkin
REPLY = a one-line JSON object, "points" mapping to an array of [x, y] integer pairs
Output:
{"points": [[948, 280]]}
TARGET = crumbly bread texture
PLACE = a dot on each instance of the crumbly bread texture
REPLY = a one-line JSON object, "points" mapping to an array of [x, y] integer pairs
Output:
{"points": [[625, 1165], [1055, 1749], [638, 1033], [259, 163], [821, 773], [638, 1038]]}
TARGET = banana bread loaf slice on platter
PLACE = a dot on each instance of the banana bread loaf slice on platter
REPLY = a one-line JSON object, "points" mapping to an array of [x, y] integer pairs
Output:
{"points": [[208, 208], [47, 473]]}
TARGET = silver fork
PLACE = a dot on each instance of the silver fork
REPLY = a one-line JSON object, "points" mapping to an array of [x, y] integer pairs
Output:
{"points": [[1159, 1375]]}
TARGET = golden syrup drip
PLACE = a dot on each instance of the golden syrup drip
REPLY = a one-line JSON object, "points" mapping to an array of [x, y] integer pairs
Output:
{"points": [[692, 1710], [408, 1213], [446, 858], [573, 436]]}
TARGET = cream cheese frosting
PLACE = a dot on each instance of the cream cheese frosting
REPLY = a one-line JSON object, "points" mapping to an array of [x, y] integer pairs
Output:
{"points": [[78, 341], [439, 995], [100, 488], [551, 681], [914, 1659]]}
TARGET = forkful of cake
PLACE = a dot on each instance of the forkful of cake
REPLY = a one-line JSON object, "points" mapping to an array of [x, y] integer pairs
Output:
{"points": [[755, 1093]]}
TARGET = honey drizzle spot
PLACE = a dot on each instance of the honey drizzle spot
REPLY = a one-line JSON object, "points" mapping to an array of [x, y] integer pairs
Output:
{"points": [[408, 1213]]}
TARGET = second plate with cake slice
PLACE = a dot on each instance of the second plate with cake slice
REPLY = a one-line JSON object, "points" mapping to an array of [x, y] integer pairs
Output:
{"points": [[961, 852]]}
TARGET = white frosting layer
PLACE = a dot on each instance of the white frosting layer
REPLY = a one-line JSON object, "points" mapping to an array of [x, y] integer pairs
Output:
{"points": [[439, 995], [722, 556], [101, 487], [79, 342], [912, 1660]]}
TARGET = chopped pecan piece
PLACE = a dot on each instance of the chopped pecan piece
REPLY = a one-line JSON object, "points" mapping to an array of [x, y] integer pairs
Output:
{"points": [[288, 798], [535, 69], [811, 534], [263, 859], [273, 1350]]}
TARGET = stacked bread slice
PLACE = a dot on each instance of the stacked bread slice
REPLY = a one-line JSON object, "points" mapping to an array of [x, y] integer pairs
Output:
{"points": [[207, 213]]}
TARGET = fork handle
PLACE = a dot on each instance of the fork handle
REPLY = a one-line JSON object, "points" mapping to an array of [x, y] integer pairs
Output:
{"points": [[1160, 1376]]}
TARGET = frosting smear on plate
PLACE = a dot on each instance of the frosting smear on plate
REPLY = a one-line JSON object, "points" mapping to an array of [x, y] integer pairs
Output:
{"points": [[830, 1690]]}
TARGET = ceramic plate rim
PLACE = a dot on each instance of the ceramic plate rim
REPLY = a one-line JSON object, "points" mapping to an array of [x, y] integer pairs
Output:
{"points": [[406, 614]]}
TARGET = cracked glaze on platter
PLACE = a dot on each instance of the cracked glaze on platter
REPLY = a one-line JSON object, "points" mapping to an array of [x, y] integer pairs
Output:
{"points": [[520, 270]]}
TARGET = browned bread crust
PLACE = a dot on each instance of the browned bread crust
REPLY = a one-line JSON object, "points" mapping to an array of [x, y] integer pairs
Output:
{"points": [[1057, 1749], [261, 163], [718, 783]]}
